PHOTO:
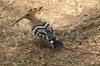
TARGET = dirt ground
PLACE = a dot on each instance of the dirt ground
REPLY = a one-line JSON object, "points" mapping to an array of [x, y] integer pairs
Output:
{"points": [[76, 24]]}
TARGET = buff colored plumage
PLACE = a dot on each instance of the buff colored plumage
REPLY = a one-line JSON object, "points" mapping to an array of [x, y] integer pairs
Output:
{"points": [[41, 29]]}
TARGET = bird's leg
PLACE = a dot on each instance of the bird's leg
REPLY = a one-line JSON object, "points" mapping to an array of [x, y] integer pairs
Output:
{"points": [[44, 44], [40, 43]]}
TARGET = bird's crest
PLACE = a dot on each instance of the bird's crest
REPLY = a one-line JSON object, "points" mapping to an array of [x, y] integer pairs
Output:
{"points": [[35, 9], [30, 11]]}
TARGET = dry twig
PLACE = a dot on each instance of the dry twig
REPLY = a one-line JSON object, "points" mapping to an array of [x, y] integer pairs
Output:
{"points": [[7, 5]]}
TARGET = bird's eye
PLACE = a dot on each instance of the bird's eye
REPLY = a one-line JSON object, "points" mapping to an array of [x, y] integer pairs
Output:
{"points": [[30, 9], [28, 15]]}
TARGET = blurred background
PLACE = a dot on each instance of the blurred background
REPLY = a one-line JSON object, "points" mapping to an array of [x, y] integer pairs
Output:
{"points": [[75, 22]]}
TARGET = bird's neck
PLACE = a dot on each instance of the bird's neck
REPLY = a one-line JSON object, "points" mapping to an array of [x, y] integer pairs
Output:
{"points": [[35, 21]]}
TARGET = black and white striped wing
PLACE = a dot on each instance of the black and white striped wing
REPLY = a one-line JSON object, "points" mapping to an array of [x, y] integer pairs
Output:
{"points": [[43, 31]]}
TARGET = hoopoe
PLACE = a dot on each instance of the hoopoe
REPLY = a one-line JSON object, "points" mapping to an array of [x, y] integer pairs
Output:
{"points": [[40, 28]]}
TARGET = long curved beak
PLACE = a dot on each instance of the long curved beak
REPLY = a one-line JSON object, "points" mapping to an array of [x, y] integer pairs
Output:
{"points": [[40, 8], [18, 20]]}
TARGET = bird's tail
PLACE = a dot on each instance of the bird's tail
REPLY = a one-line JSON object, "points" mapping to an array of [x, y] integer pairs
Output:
{"points": [[56, 43]]}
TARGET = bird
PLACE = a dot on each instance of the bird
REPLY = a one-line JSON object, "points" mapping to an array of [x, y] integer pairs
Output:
{"points": [[40, 28]]}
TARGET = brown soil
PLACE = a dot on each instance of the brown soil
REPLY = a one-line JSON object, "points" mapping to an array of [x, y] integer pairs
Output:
{"points": [[76, 24]]}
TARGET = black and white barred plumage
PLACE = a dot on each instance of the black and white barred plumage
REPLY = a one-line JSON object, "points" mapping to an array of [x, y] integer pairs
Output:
{"points": [[45, 31]]}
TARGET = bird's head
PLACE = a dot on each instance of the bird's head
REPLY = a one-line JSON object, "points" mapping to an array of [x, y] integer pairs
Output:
{"points": [[30, 13]]}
